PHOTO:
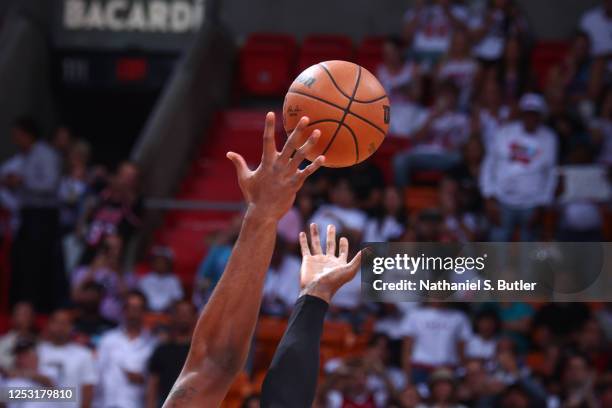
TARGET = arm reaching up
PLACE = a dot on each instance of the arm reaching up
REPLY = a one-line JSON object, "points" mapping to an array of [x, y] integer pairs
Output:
{"points": [[292, 378], [223, 332]]}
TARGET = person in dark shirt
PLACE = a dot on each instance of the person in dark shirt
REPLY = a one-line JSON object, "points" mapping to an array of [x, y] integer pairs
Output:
{"points": [[168, 358], [89, 324]]}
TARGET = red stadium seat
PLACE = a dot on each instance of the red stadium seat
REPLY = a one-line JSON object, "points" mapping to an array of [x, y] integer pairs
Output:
{"points": [[266, 64], [545, 55], [370, 54], [324, 47]]}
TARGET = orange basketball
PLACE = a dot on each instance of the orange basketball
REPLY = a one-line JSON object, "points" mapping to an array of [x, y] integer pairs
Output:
{"points": [[346, 103]]}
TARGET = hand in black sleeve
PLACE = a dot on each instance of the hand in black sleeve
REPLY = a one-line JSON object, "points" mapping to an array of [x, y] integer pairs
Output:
{"points": [[292, 378]]}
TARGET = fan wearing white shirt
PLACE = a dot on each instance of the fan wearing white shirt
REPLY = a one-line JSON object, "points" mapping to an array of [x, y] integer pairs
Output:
{"points": [[429, 27], [341, 212], [160, 286], [66, 363], [438, 142], [482, 344], [518, 176], [434, 337], [395, 73], [122, 358], [597, 23], [282, 284], [25, 373]]}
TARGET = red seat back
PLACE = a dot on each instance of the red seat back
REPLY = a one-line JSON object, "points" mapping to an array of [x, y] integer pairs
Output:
{"points": [[370, 53], [324, 47]]}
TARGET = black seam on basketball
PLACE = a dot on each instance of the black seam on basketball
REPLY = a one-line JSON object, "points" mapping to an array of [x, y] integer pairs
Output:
{"points": [[346, 111], [352, 132], [343, 93], [338, 107]]}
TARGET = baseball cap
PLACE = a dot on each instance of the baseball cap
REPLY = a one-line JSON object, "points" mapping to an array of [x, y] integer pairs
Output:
{"points": [[532, 102]]}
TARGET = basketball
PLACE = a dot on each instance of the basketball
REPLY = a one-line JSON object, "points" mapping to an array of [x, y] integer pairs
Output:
{"points": [[346, 103]]}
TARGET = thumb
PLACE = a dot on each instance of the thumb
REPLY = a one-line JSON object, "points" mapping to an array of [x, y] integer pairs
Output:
{"points": [[239, 163], [351, 269]]}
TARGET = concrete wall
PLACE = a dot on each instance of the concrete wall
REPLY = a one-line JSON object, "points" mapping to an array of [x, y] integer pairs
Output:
{"points": [[551, 19]]}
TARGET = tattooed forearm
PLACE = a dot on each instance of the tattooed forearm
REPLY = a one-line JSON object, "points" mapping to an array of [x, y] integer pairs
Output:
{"points": [[179, 395]]}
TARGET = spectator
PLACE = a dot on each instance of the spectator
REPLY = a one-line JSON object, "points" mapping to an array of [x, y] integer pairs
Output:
{"points": [[473, 389], [39, 279], [11, 174], [490, 112], [341, 212], [388, 221], [63, 142], [348, 387], [572, 74], [66, 363], [212, 266], [117, 211], [428, 27], [168, 358], [437, 143], [160, 286], [518, 175], [435, 336], [26, 373], [89, 324], [282, 285], [394, 73], [409, 114], [408, 398], [516, 319], [22, 328], [73, 186], [502, 19], [459, 225], [105, 269], [459, 67], [483, 343], [443, 390], [596, 23], [123, 354], [577, 383]]}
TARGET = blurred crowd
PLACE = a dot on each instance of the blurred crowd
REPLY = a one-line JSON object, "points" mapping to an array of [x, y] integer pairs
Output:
{"points": [[506, 149]]}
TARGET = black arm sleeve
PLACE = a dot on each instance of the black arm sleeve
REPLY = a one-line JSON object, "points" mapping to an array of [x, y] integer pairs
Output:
{"points": [[292, 378]]}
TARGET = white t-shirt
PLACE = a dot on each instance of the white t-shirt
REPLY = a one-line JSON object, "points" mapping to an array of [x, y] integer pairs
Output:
{"points": [[392, 82], [382, 230], [447, 133], [520, 168], [490, 123], [283, 283], [22, 383], [406, 118], [118, 353], [491, 46], [161, 290], [436, 334], [70, 365], [330, 214], [478, 347], [434, 28], [461, 73], [599, 28]]}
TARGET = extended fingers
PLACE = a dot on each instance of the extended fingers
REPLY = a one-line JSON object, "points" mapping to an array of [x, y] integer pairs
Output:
{"points": [[301, 153], [241, 167], [293, 141], [331, 240], [351, 269], [269, 142], [304, 244], [311, 168], [315, 239], [344, 248]]}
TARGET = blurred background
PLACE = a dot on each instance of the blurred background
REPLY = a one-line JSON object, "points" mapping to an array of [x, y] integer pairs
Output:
{"points": [[118, 209]]}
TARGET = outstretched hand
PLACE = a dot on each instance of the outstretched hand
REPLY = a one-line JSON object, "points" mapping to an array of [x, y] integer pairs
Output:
{"points": [[323, 273], [270, 189]]}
